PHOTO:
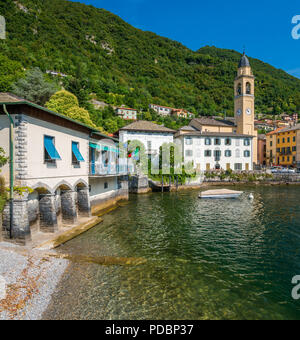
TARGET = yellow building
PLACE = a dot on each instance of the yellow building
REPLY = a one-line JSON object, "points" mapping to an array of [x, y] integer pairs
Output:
{"points": [[286, 146], [271, 146]]}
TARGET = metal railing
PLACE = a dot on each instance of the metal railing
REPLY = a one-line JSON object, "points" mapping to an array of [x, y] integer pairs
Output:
{"points": [[100, 169]]}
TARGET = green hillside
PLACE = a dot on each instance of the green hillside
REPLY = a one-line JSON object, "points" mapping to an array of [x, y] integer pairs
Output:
{"points": [[102, 54]]}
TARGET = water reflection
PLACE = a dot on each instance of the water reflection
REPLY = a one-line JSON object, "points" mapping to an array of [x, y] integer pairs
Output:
{"points": [[205, 259]]}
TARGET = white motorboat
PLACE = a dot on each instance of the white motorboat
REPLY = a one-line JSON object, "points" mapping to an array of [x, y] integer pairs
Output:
{"points": [[220, 194]]}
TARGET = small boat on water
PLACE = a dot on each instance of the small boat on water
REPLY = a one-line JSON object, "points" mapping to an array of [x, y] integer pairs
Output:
{"points": [[220, 194]]}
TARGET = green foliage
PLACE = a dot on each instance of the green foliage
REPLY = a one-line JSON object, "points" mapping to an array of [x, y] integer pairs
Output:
{"points": [[67, 104], [62, 101], [34, 87], [10, 72], [3, 194], [20, 191], [102, 54], [3, 158]]}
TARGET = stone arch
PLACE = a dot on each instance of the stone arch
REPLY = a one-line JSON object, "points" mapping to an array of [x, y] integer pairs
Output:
{"points": [[42, 188], [63, 185], [81, 184]]}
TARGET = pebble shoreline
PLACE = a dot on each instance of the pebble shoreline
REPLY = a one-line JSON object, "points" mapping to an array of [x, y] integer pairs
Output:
{"points": [[31, 279]]}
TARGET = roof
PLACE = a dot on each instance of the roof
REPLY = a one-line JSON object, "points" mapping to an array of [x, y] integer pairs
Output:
{"points": [[212, 122], [10, 99], [292, 128], [145, 126], [261, 136], [126, 108], [187, 128], [214, 134], [244, 62], [7, 97], [166, 107], [274, 132]]}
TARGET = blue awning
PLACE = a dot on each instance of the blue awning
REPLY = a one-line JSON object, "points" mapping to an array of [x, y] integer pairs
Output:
{"points": [[50, 147], [76, 152]]}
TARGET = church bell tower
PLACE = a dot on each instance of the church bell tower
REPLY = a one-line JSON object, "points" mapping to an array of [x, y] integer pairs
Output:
{"points": [[244, 102]]}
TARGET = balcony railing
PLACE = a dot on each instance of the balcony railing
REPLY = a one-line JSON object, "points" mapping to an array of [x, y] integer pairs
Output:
{"points": [[100, 169]]}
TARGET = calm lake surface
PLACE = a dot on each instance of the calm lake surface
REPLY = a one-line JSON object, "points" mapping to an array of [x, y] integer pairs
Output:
{"points": [[206, 259]]}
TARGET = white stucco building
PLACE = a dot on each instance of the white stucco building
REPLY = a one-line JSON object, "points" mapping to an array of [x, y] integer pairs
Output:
{"points": [[216, 150], [127, 113], [153, 136], [72, 168]]}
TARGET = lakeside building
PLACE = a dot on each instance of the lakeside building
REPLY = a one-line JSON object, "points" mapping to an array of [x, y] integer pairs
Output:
{"points": [[73, 169], [271, 147], [127, 113], [261, 150], [211, 143], [153, 136], [211, 150], [288, 145]]}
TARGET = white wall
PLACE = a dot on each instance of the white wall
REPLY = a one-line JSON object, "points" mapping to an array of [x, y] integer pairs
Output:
{"points": [[198, 148], [50, 174], [4, 144]]}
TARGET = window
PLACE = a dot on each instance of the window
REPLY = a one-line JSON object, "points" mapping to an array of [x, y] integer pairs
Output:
{"points": [[278, 141], [207, 141], [238, 166], [289, 139], [237, 153], [294, 159], [246, 153], [207, 153], [189, 153], [239, 89], [294, 148], [271, 144], [288, 158], [198, 141], [228, 141], [246, 142], [149, 145], [188, 141], [278, 150], [294, 139], [217, 141], [237, 142], [217, 154], [283, 140], [228, 153], [198, 153], [76, 155], [105, 185], [248, 88], [50, 152], [105, 156]]}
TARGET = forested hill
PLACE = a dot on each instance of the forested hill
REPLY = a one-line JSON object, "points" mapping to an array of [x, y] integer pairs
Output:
{"points": [[122, 64]]}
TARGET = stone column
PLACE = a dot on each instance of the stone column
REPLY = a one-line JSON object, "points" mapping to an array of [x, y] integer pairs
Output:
{"points": [[84, 204], [20, 229], [68, 206], [48, 217]]}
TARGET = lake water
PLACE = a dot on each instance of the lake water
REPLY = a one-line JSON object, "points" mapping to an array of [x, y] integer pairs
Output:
{"points": [[206, 259]]}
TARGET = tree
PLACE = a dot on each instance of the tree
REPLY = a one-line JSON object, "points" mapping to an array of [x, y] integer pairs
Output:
{"points": [[66, 103], [80, 114], [111, 125], [10, 72], [62, 101], [34, 87]]}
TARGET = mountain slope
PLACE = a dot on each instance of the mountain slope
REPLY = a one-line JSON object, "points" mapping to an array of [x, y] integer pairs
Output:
{"points": [[108, 55]]}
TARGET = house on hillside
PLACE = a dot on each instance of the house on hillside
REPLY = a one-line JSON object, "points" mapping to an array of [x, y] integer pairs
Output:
{"points": [[161, 110], [127, 113], [73, 169]]}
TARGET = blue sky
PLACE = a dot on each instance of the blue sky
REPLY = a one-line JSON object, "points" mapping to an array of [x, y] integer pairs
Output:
{"points": [[263, 26]]}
